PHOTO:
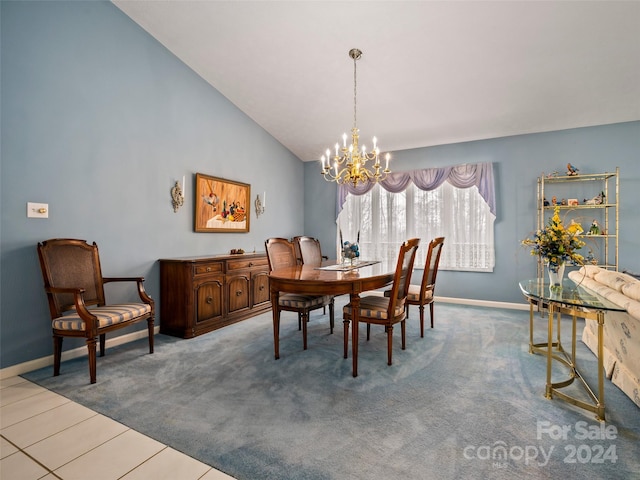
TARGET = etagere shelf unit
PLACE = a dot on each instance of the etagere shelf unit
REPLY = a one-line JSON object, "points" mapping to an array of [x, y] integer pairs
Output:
{"points": [[593, 200]]}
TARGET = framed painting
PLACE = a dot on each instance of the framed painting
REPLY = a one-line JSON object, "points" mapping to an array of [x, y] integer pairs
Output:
{"points": [[221, 205]]}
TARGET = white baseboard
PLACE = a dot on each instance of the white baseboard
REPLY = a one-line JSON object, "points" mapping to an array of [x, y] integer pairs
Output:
{"points": [[31, 365], [483, 303]]}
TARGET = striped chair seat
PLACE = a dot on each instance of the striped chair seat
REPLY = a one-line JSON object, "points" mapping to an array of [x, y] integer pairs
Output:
{"points": [[110, 315], [293, 300], [374, 307], [414, 293]]}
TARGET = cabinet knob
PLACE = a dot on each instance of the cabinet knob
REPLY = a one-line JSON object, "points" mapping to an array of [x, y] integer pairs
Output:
{"points": [[209, 300], [261, 287], [251, 264], [238, 293], [208, 269]]}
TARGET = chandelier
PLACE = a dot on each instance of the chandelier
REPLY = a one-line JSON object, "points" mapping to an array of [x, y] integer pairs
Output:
{"points": [[349, 164]]}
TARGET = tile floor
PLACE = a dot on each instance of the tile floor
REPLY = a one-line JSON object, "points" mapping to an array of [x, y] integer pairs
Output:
{"points": [[46, 436]]}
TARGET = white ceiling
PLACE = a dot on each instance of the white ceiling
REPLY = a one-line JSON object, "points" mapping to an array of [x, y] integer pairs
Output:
{"points": [[431, 73]]}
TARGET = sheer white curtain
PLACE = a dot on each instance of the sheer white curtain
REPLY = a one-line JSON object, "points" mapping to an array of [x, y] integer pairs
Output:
{"points": [[385, 219]]}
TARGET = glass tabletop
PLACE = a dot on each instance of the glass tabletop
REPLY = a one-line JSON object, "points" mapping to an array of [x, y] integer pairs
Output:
{"points": [[570, 294]]}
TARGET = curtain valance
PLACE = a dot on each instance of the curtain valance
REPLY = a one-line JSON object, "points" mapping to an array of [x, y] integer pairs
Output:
{"points": [[460, 176]]}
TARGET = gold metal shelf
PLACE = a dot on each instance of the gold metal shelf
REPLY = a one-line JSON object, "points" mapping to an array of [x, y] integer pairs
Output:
{"points": [[578, 207], [581, 178], [607, 213]]}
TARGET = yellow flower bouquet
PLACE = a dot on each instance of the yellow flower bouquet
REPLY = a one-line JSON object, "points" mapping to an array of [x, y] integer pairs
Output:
{"points": [[557, 244]]}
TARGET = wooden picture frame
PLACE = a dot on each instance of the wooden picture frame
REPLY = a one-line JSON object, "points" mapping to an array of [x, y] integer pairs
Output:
{"points": [[221, 205]]}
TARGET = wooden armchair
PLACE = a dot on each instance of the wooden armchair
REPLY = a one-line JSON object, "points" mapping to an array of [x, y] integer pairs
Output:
{"points": [[389, 309], [281, 254], [74, 285]]}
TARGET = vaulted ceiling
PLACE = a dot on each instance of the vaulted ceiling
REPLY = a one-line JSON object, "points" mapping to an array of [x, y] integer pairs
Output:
{"points": [[431, 73]]}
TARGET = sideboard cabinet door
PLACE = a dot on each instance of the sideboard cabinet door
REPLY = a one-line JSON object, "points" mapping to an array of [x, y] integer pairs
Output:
{"points": [[260, 284], [238, 292], [210, 304]]}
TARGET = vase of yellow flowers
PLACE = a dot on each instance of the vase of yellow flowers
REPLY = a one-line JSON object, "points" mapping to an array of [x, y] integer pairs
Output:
{"points": [[557, 246]]}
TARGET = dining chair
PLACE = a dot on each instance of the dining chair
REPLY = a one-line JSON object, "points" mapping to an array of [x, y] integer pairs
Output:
{"points": [[281, 254], [74, 286], [390, 309], [423, 294], [308, 251]]}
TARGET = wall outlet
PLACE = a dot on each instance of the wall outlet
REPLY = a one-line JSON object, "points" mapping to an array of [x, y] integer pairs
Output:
{"points": [[37, 210]]}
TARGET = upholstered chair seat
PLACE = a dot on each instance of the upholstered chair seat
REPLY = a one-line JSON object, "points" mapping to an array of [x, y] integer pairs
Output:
{"points": [[107, 316]]}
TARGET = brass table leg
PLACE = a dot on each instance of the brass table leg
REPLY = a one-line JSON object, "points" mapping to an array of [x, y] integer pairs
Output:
{"points": [[549, 387], [600, 399]]}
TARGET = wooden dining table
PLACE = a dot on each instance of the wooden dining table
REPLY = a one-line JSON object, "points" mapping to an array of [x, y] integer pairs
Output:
{"points": [[329, 279]]}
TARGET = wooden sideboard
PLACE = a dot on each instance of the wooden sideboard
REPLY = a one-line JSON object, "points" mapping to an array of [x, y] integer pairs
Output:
{"points": [[201, 294]]}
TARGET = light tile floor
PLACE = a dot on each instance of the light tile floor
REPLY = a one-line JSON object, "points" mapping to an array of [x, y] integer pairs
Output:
{"points": [[46, 436]]}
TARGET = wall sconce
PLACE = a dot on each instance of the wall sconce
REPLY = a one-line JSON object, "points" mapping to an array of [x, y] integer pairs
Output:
{"points": [[177, 195], [260, 205]]}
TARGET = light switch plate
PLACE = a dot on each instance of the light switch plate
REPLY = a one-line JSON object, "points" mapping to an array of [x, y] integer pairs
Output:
{"points": [[37, 210]]}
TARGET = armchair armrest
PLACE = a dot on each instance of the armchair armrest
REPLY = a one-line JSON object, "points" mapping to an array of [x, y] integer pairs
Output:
{"points": [[81, 309], [141, 291]]}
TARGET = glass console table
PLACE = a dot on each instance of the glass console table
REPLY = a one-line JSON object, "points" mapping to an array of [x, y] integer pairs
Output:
{"points": [[577, 302]]}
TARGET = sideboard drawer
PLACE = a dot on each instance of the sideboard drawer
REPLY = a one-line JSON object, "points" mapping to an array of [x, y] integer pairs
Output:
{"points": [[245, 263], [207, 268]]}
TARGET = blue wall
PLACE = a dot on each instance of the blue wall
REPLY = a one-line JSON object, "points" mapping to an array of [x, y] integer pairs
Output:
{"points": [[518, 161], [99, 120]]}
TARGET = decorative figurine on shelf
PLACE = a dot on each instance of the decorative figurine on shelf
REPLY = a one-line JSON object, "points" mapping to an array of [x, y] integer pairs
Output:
{"points": [[554, 201], [590, 258], [571, 170], [594, 229], [575, 226], [563, 202], [545, 202], [597, 200]]}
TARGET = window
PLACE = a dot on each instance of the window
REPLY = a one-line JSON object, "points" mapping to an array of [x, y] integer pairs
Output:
{"points": [[384, 220]]}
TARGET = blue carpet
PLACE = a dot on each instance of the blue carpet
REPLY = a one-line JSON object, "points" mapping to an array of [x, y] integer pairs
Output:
{"points": [[464, 402]]}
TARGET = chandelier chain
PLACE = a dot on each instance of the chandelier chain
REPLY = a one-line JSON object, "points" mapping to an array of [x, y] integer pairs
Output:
{"points": [[355, 90]]}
